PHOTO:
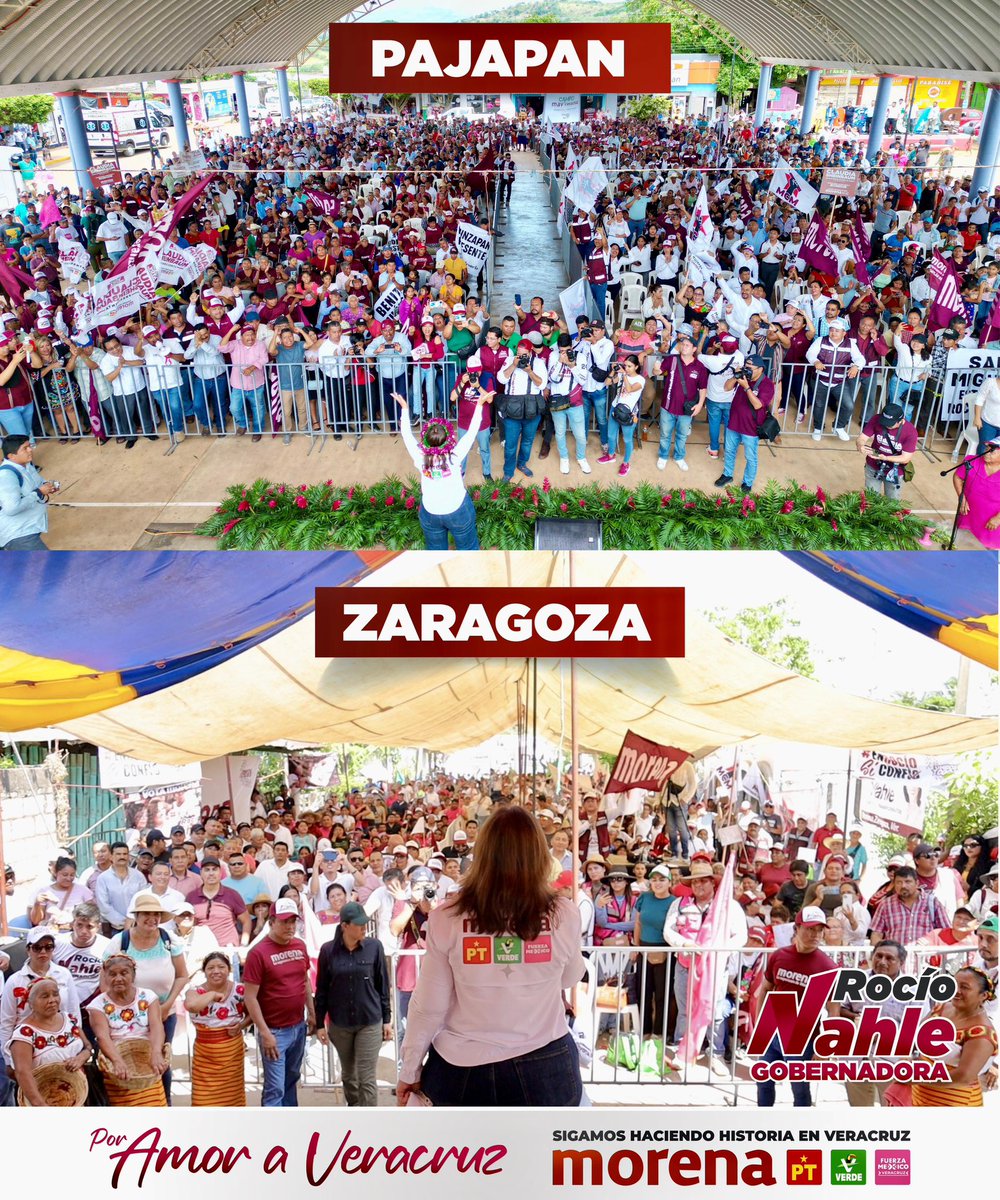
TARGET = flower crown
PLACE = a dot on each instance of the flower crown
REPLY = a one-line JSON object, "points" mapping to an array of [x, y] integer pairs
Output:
{"points": [[447, 445]]}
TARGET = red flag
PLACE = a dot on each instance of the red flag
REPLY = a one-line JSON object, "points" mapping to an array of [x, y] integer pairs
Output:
{"points": [[708, 974], [990, 331], [479, 178], [13, 281], [859, 235], [164, 227], [746, 202], [947, 303]]}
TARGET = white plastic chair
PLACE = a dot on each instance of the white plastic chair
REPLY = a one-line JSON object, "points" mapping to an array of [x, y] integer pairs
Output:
{"points": [[631, 279], [595, 1011], [669, 296], [632, 298], [609, 311]]}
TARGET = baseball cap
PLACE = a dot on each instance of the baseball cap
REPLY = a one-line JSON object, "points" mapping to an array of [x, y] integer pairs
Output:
{"points": [[459, 836], [661, 870], [458, 310], [757, 934], [991, 925], [353, 914], [296, 866], [148, 329], [810, 917], [840, 323], [563, 880], [282, 909], [176, 829], [897, 860], [184, 907], [435, 863], [209, 862], [40, 931], [474, 363], [546, 812], [924, 850], [154, 835], [891, 415], [755, 360]]}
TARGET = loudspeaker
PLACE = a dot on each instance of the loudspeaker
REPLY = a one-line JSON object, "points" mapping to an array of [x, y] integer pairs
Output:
{"points": [[561, 533]]}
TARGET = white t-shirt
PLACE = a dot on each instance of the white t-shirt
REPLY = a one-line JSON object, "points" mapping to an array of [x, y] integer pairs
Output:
{"points": [[114, 230]]}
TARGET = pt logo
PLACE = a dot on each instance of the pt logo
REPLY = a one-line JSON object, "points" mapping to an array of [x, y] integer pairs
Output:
{"points": [[507, 949], [805, 1166], [477, 951], [847, 1166]]}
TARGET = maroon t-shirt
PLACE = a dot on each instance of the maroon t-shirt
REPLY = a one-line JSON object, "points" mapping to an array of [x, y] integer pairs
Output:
{"points": [[789, 971], [902, 440], [771, 878], [696, 375], [743, 417], [219, 913], [280, 974]]}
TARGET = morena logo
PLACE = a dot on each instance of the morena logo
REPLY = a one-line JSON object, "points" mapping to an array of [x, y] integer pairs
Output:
{"points": [[685, 1168]]}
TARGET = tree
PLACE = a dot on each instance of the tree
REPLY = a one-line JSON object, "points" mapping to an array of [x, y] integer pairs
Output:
{"points": [[318, 87], [940, 701], [767, 631], [646, 108], [25, 110]]}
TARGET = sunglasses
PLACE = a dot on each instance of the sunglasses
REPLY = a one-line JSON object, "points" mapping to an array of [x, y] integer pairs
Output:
{"points": [[44, 947]]}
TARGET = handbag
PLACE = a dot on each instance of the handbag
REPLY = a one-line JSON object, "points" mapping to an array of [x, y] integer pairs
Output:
{"points": [[689, 405], [623, 414], [609, 995], [770, 428], [655, 957]]}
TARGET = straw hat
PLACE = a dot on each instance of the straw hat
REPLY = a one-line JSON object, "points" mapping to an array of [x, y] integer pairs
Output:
{"points": [[701, 870], [60, 1088], [137, 1054]]}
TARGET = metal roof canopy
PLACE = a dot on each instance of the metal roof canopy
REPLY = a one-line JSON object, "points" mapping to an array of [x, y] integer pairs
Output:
{"points": [[55, 45]]}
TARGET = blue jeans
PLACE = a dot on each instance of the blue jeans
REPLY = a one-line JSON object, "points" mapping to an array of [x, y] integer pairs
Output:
{"points": [[677, 831], [18, 420], [518, 437], [599, 293], [546, 1078], [627, 434], [461, 524], [898, 388], [718, 420], [281, 1075], [573, 418], [483, 442], [801, 1094], [169, 1026], [248, 409], [750, 446], [30, 541], [171, 402], [424, 383], [678, 428], [211, 395], [987, 432], [596, 403]]}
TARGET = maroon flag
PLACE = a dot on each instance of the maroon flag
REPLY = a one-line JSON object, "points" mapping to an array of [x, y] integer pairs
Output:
{"points": [[161, 231], [643, 764], [860, 256], [13, 281], [816, 249], [990, 332], [859, 236], [947, 303], [328, 205], [479, 178], [746, 202]]}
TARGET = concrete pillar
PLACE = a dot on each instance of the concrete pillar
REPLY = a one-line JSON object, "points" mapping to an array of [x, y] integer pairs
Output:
{"points": [[240, 88], [809, 101], [989, 145], [877, 130], [763, 87], [284, 96], [178, 114], [76, 136]]}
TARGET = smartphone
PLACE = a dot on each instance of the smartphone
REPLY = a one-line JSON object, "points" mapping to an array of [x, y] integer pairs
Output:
{"points": [[330, 855], [517, 299]]}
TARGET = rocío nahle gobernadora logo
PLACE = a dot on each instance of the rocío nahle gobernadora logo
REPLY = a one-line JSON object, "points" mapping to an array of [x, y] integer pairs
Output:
{"points": [[531, 59], [873, 1048]]}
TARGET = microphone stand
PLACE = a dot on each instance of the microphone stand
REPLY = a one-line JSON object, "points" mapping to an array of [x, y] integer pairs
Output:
{"points": [[961, 496]]}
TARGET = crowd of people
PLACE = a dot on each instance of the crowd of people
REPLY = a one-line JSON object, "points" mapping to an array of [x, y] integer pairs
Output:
{"points": [[396, 912], [313, 223]]}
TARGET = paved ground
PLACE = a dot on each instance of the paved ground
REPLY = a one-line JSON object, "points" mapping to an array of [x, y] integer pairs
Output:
{"points": [[121, 500]]}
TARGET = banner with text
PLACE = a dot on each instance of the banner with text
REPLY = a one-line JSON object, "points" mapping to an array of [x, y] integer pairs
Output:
{"points": [[473, 245], [896, 788], [523, 58], [643, 764]]}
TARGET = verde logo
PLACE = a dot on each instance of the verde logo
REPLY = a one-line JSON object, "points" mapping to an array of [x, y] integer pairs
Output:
{"points": [[507, 949], [847, 1166]]}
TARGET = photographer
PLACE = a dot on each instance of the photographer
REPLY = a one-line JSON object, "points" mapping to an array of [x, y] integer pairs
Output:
{"points": [[465, 397], [24, 495], [353, 1004], [751, 406], [684, 390], [596, 352], [722, 359], [627, 379], [408, 925], [565, 394], [523, 377], [888, 441]]}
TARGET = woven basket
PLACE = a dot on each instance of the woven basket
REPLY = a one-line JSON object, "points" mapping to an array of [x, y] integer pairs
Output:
{"points": [[137, 1054], [60, 1088]]}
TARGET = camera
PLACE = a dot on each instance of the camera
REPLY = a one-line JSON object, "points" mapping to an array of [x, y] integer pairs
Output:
{"points": [[523, 360], [571, 356], [745, 373], [423, 891]]}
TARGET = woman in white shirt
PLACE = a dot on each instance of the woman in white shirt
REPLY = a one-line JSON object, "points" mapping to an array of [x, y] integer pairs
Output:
{"points": [[640, 258], [445, 506], [623, 410], [488, 1009], [913, 366]]}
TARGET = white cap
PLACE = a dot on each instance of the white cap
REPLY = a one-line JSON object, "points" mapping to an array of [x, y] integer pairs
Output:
{"points": [[435, 863], [459, 836], [284, 908], [474, 362], [148, 329], [811, 915]]}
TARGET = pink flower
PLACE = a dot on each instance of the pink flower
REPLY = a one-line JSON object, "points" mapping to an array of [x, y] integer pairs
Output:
{"points": [[546, 484], [814, 510], [329, 483], [665, 500], [390, 501], [863, 504], [605, 504], [410, 502], [244, 494], [372, 499], [335, 506], [820, 496], [218, 510], [749, 505], [476, 494], [272, 504], [564, 508], [534, 497], [243, 505], [582, 503], [231, 524], [518, 493], [301, 502], [690, 504], [495, 494], [834, 526], [350, 493], [718, 501], [302, 487], [788, 506], [630, 502], [281, 490]]}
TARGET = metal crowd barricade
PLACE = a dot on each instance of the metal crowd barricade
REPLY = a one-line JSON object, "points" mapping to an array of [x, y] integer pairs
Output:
{"points": [[344, 402]]}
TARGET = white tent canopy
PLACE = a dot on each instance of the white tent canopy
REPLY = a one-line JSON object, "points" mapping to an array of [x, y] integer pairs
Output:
{"points": [[719, 694]]}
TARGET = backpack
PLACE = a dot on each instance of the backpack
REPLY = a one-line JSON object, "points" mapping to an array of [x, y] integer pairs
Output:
{"points": [[127, 939]]}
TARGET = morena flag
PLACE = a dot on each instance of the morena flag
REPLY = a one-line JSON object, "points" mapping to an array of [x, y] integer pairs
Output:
{"points": [[533, 59]]}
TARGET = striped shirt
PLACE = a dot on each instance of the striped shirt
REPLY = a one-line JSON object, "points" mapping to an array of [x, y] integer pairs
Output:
{"points": [[905, 923]]}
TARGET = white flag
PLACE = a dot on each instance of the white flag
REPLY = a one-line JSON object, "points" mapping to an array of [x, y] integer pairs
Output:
{"points": [[789, 187], [571, 162], [700, 227], [73, 260], [589, 180], [573, 301]]}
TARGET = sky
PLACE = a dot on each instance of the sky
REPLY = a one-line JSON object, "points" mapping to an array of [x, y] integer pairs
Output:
{"points": [[855, 648], [431, 12]]}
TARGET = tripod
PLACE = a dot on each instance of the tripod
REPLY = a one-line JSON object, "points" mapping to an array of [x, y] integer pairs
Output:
{"points": [[961, 496]]}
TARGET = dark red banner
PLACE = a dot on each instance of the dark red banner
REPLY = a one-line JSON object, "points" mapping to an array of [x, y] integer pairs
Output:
{"points": [[494, 623], [643, 764], [471, 59]]}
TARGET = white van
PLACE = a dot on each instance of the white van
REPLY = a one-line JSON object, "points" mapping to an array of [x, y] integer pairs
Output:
{"points": [[123, 129]]}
